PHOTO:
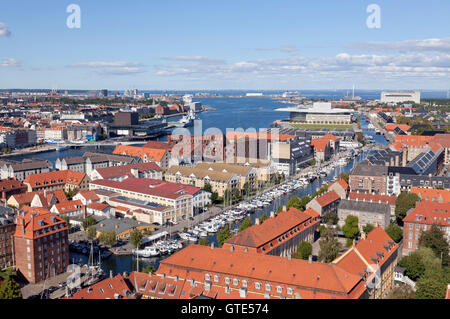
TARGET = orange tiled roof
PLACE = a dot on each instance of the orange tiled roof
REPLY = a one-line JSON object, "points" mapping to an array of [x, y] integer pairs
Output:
{"points": [[435, 195], [327, 198], [391, 126], [428, 212], [320, 144], [310, 280], [149, 154], [89, 195], [341, 182], [98, 206], [32, 219], [413, 140], [110, 288], [257, 236], [55, 178], [371, 252], [69, 206], [254, 135], [373, 197]]}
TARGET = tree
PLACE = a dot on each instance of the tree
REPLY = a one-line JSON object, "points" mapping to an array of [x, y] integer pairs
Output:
{"points": [[329, 245], [67, 220], [136, 238], [344, 176], [404, 202], [431, 287], [350, 229], [92, 232], [402, 292], [434, 239], [304, 201], [90, 221], [10, 289], [223, 235], [204, 242], [214, 197], [279, 209], [263, 217], [71, 193], [245, 224], [368, 228], [395, 232], [108, 237], [304, 250], [207, 188], [294, 201], [149, 269], [331, 218]]}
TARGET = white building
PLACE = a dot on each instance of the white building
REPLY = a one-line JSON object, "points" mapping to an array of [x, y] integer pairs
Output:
{"points": [[400, 96]]}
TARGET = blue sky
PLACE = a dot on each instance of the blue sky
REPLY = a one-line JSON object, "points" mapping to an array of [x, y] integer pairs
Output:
{"points": [[196, 44]]}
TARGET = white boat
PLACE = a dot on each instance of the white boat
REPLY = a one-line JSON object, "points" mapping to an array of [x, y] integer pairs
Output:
{"points": [[187, 120], [149, 251]]}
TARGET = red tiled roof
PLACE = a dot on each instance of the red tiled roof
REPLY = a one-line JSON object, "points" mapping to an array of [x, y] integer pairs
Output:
{"points": [[150, 187], [265, 136], [340, 182], [367, 252], [10, 183], [320, 144], [272, 228], [115, 171], [427, 212], [432, 194], [69, 206], [89, 195], [373, 197], [98, 206], [327, 198], [32, 219], [311, 280], [110, 288], [149, 154], [55, 178], [390, 127]]}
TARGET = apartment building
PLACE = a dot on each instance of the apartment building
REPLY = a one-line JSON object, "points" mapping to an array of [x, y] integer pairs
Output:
{"points": [[21, 170], [278, 235], [176, 195], [368, 178], [374, 259], [118, 173], [425, 214], [40, 244], [325, 204], [65, 180], [368, 212], [7, 230], [156, 155]]}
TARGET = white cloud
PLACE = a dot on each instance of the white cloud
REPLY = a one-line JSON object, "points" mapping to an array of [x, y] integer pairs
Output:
{"points": [[285, 48], [436, 44], [10, 62], [199, 59], [4, 31], [100, 64]]}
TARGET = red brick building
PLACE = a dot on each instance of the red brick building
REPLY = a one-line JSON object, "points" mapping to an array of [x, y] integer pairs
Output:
{"points": [[7, 229], [425, 214], [280, 235], [11, 186], [374, 258], [229, 274], [40, 244], [368, 178]]}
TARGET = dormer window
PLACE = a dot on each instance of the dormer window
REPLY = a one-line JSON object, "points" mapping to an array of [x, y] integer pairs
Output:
{"points": [[235, 281], [268, 287], [289, 291], [207, 276], [257, 285], [216, 278]]}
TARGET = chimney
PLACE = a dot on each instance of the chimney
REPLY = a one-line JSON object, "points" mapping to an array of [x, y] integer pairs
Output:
{"points": [[231, 248], [284, 208], [310, 259], [257, 221], [84, 212], [272, 214], [212, 245], [110, 274], [363, 235]]}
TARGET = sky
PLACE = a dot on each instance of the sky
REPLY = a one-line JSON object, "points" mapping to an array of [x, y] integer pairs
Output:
{"points": [[211, 45]]}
